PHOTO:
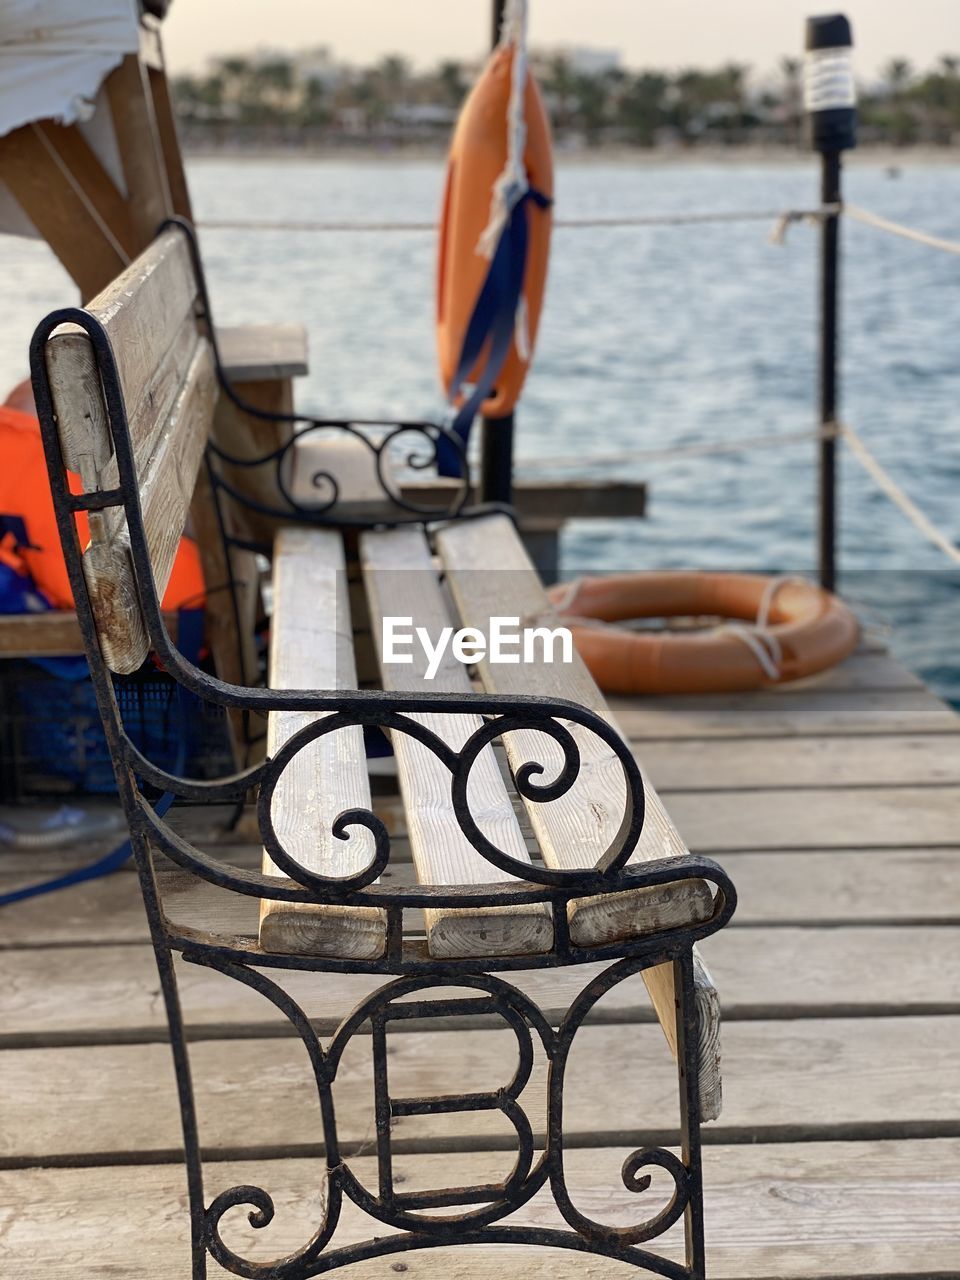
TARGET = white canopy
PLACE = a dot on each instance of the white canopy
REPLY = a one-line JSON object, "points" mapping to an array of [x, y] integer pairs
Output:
{"points": [[54, 55]]}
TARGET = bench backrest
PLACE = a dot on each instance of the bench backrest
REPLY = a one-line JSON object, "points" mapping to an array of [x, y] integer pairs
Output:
{"points": [[168, 380]]}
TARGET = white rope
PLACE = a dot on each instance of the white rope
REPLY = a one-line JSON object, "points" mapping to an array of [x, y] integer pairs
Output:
{"points": [[785, 220], [770, 594], [697, 449], [778, 216], [898, 229], [759, 638], [889, 486], [512, 185], [761, 642], [563, 604], [764, 646]]}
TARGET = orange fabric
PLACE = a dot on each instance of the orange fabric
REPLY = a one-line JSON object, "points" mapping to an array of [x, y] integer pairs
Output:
{"points": [[478, 154], [25, 494]]}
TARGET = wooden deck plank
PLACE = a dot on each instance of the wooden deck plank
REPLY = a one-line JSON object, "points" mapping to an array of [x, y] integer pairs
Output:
{"points": [[898, 760], [890, 886], [80, 993], [774, 1212], [835, 818], [784, 715], [780, 1083], [864, 669]]}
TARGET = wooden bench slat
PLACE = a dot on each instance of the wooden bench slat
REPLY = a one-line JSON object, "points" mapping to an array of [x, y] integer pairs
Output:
{"points": [[166, 481], [576, 829], [401, 581], [311, 648], [146, 312], [262, 352], [169, 386]]}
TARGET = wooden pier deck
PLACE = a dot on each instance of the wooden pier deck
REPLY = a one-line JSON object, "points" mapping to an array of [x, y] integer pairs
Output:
{"points": [[835, 807]]}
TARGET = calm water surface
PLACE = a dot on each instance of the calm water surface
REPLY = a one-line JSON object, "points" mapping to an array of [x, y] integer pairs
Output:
{"points": [[651, 337]]}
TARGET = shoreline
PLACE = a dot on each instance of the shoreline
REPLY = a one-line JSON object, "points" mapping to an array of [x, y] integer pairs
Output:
{"points": [[663, 157]]}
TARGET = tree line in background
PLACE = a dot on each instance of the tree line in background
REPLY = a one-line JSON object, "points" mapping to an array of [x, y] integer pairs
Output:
{"points": [[310, 99]]}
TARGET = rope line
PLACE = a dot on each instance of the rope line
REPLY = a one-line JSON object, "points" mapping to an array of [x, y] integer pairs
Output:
{"points": [[565, 224], [898, 229], [886, 483], [697, 448], [512, 185], [782, 219]]}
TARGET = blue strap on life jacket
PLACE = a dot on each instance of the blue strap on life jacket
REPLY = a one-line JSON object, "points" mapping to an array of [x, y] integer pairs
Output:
{"points": [[491, 326]]}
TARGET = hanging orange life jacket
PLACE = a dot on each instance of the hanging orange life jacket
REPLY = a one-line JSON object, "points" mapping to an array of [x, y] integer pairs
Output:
{"points": [[26, 512]]}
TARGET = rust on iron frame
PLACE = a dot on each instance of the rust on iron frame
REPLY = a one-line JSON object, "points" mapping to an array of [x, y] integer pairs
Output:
{"points": [[410, 971]]}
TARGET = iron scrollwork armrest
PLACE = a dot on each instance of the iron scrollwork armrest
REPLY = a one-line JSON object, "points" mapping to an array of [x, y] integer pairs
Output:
{"points": [[424, 443], [400, 713]]}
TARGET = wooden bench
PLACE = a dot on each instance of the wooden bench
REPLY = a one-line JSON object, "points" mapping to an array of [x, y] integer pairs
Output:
{"points": [[521, 802]]}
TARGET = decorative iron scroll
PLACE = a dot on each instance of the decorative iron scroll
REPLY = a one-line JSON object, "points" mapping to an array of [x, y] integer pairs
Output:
{"points": [[415, 1217], [399, 713], [416, 1220], [422, 441]]}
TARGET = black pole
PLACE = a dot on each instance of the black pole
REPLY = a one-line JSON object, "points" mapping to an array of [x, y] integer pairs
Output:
{"points": [[498, 8], [496, 442], [829, 253], [832, 114]]}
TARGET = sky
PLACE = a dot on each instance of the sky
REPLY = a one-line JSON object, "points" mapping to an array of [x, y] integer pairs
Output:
{"points": [[649, 33]]}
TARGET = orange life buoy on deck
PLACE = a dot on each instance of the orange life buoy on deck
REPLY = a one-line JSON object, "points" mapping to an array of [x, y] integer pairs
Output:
{"points": [[780, 629], [478, 156]]}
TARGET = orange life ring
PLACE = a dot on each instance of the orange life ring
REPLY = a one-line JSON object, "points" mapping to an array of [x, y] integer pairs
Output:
{"points": [[780, 629], [478, 155]]}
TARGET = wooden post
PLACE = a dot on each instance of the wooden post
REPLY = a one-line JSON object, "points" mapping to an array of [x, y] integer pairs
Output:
{"points": [[135, 125], [65, 205]]}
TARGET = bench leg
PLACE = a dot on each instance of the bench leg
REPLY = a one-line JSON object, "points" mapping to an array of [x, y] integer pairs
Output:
{"points": [[688, 1069], [481, 1214], [181, 1059]]}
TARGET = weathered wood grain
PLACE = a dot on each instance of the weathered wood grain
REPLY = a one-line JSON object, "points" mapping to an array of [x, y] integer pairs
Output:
{"points": [[259, 352], [784, 715], [147, 313], [855, 887], [166, 483], [139, 146], [401, 581], [575, 830], [783, 1083], [169, 386], [896, 760], [834, 818], [56, 199], [311, 649], [811, 1211], [70, 993]]}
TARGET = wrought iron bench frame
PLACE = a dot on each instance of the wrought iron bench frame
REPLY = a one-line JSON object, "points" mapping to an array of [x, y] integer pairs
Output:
{"points": [[406, 963]]}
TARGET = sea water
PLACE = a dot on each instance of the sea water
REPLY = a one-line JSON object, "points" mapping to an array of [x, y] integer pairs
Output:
{"points": [[652, 338]]}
